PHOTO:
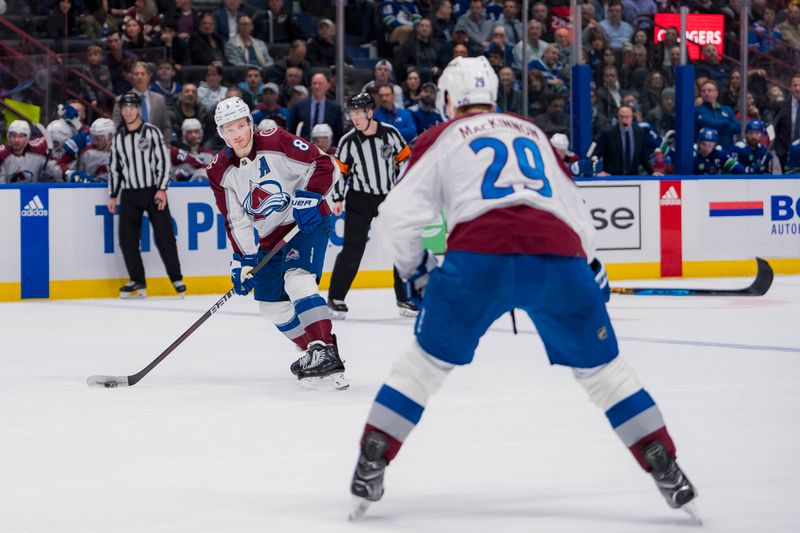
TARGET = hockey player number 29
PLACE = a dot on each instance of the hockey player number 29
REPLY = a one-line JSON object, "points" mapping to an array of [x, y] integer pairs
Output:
{"points": [[522, 146]]}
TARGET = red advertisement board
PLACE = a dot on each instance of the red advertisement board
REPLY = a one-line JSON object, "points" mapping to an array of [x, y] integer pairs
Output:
{"points": [[700, 31]]}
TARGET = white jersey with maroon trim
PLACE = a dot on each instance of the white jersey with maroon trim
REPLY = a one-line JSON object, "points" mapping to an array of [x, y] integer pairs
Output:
{"points": [[189, 166], [501, 185], [32, 165], [256, 191], [94, 162]]}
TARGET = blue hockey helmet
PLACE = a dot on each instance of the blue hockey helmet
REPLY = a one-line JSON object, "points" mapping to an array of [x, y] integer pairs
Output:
{"points": [[755, 125], [708, 134]]}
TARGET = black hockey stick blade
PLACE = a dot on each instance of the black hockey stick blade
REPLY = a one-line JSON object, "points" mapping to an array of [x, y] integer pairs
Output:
{"points": [[759, 287], [111, 382]]}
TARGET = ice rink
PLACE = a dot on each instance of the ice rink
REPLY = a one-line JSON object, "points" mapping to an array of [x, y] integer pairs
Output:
{"points": [[220, 438]]}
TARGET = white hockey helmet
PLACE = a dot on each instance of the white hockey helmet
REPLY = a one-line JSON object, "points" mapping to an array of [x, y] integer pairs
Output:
{"points": [[466, 81], [231, 109], [321, 131], [267, 124], [102, 126], [21, 127], [59, 131], [191, 124], [560, 142]]}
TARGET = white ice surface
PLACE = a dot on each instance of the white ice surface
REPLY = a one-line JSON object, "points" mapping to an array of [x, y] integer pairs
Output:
{"points": [[219, 437]]}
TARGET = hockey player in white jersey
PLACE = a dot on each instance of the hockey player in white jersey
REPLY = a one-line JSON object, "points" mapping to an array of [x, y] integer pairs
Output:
{"points": [[254, 181], [26, 159], [93, 159], [519, 236]]}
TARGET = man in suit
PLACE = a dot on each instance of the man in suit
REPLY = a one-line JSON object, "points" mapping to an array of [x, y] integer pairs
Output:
{"points": [[317, 109], [153, 108], [227, 19], [609, 96], [622, 147], [787, 121]]}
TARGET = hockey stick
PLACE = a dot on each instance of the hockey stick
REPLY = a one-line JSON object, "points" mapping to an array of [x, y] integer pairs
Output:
{"points": [[111, 382], [759, 287]]}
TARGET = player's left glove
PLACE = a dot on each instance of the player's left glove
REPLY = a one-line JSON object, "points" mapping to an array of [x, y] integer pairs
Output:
{"points": [[78, 176], [241, 265], [414, 286], [601, 278], [309, 210]]}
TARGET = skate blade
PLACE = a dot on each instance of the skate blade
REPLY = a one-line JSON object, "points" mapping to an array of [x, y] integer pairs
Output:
{"points": [[691, 510], [136, 295], [360, 506], [408, 313], [331, 382], [337, 315]]}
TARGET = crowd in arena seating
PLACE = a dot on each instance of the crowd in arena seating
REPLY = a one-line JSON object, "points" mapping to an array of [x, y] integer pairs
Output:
{"points": [[183, 57]]}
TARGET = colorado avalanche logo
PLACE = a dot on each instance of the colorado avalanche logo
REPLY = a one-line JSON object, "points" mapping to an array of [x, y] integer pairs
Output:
{"points": [[265, 198]]}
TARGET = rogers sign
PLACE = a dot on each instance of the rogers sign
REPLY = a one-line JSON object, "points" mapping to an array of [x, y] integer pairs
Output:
{"points": [[700, 30]]}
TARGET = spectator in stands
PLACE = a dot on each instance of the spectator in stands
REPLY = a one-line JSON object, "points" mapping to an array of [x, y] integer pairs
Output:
{"points": [[63, 21], [554, 120], [299, 92], [119, 62], [634, 74], [599, 121], [710, 158], [675, 60], [133, 35], [536, 46], [322, 138], [187, 106], [295, 57], [204, 46], [321, 49], [538, 93], [609, 96], [316, 110], [650, 96], [446, 51], [662, 117], [419, 51], [97, 22], [475, 24], [423, 112], [186, 19], [712, 114], [509, 98], [383, 75], [618, 32], [564, 43], [389, 113], [787, 120], [146, 12], [269, 108], [661, 59], [714, 69], [399, 17], [153, 106], [510, 21], [226, 20], [790, 28], [598, 45], [751, 154], [548, 65], [244, 49], [252, 86], [442, 20], [211, 91], [498, 43], [622, 147], [277, 24], [292, 79], [99, 73], [754, 113], [764, 35], [175, 48], [411, 87], [730, 95], [541, 12], [639, 13], [165, 83]]}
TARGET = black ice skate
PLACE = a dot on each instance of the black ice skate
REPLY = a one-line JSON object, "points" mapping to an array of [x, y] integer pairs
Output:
{"points": [[320, 368], [338, 309], [670, 480], [407, 309], [133, 290], [180, 287], [367, 484]]}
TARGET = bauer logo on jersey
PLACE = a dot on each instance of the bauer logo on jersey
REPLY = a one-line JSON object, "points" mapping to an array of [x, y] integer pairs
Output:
{"points": [[265, 198]]}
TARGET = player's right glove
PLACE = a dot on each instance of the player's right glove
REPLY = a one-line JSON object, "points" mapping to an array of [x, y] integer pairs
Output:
{"points": [[601, 278], [414, 286], [78, 176], [241, 265]]}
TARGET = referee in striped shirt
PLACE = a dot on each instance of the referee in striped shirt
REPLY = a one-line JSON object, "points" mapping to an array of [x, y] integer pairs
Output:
{"points": [[370, 156], [140, 166]]}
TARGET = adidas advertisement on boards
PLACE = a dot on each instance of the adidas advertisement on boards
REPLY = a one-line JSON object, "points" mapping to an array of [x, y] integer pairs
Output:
{"points": [[35, 245], [670, 201], [617, 215]]}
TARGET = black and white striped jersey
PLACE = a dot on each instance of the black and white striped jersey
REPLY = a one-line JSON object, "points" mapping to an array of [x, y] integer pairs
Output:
{"points": [[370, 163], [139, 159]]}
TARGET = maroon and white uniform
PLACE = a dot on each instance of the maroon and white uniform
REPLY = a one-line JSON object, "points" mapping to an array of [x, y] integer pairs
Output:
{"points": [[256, 191], [188, 166], [34, 164]]}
